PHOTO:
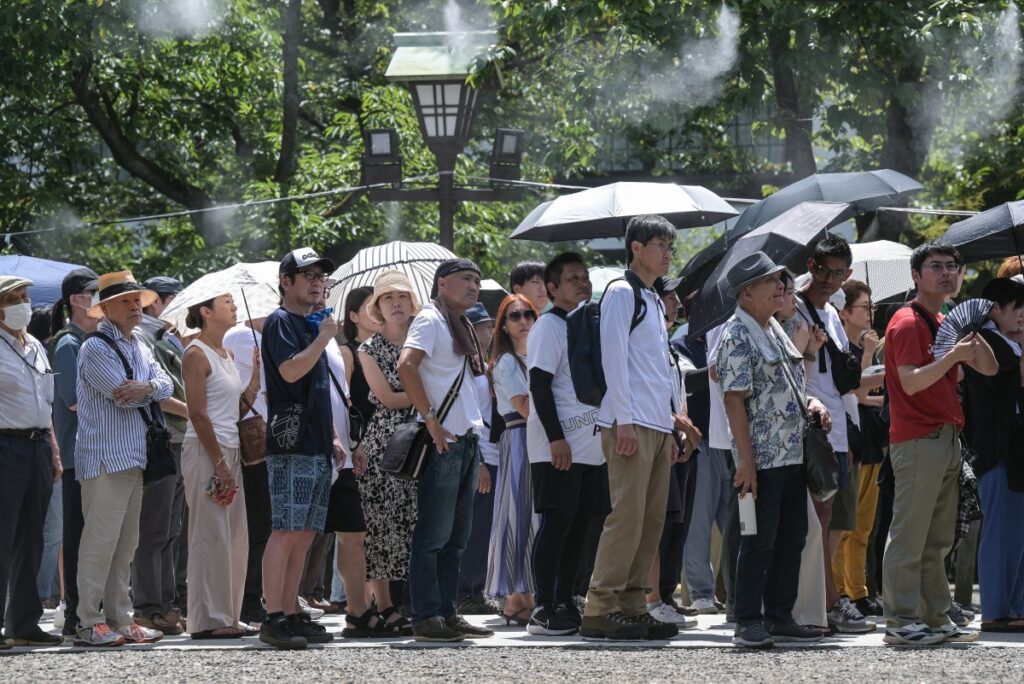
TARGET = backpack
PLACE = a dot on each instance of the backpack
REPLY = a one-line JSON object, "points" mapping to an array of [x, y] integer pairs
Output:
{"points": [[583, 326]]}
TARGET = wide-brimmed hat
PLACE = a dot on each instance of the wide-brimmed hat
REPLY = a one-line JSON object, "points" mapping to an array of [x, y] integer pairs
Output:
{"points": [[13, 282], [389, 281], [115, 285], [749, 269]]}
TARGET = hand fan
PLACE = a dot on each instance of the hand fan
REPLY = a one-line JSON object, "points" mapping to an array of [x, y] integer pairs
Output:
{"points": [[965, 318]]}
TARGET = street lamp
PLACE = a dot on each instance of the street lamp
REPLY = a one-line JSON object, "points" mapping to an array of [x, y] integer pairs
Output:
{"points": [[434, 67]]}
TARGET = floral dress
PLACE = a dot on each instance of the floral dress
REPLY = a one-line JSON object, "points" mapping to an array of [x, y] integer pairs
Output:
{"points": [[389, 504]]}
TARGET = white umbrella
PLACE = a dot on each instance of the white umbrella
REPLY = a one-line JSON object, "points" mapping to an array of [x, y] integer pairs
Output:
{"points": [[884, 266], [259, 280], [600, 276], [418, 260]]}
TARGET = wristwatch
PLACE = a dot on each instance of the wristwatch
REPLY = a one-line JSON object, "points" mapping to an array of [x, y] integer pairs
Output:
{"points": [[431, 413]]}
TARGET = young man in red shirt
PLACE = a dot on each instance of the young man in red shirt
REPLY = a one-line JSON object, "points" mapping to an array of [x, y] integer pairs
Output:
{"points": [[924, 435]]}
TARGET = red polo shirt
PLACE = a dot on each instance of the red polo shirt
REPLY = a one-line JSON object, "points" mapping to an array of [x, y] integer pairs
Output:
{"points": [[908, 342]]}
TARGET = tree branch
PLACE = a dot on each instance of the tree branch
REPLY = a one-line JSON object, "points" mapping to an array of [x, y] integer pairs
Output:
{"points": [[286, 161]]}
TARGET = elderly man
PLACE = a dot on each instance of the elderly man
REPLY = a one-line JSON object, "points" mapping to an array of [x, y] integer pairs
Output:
{"points": [[29, 465], [110, 458]]}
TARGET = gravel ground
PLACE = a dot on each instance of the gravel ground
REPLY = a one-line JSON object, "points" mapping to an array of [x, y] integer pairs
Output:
{"points": [[959, 663]]}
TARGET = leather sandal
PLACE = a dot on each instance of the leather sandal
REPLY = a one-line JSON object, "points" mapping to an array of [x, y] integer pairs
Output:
{"points": [[399, 628]]}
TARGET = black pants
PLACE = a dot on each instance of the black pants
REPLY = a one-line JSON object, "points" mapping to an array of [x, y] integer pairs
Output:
{"points": [[312, 583], [730, 554], [677, 524], [257, 516], [473, 571], [590, 542], [768, 567], [74, 522], [26, 482], [153, 568]]}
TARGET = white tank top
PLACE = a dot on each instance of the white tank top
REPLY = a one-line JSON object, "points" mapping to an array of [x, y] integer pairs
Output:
{"points": [[223, 389]]}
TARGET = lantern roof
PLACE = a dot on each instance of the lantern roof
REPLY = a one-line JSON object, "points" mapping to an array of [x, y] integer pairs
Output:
{"points": [[437, 56]]}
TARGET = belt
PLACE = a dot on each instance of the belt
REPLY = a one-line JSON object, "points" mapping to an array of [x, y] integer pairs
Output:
{"points": [[35, 434]]}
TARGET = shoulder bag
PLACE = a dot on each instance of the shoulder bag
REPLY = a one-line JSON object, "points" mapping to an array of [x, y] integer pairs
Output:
{"points": [[356, 424], [846, 368], [159, 457], [406, 453], [252, 435]]}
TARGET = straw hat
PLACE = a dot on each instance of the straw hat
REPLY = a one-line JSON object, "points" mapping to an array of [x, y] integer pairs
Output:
{"points": [[389, 281], [112, 286]]}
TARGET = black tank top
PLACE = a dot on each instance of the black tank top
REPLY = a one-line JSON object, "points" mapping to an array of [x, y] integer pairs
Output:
{"points": [[358, 389]]}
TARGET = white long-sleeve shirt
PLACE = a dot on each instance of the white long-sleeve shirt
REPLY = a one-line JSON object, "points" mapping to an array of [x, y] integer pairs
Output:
{"points": [[635, 363]]}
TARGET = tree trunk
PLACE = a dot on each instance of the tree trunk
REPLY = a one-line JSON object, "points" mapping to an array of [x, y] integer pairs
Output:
{"points": [[287, 158], [796, 120]]}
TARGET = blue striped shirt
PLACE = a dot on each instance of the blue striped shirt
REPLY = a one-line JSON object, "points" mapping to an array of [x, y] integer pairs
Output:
{"points": [[109, 434]]}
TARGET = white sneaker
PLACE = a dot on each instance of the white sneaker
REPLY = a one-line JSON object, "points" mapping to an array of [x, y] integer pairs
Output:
{"points": [[706, 606], [313, 612], [58, 615], [664, 613], [844, 617]]}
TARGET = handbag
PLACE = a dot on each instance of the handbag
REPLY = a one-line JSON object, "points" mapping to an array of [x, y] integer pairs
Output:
{"points": [[846, 368], [356, 423], [821, 467], [406, 453], [252, 436], [159, 456]]}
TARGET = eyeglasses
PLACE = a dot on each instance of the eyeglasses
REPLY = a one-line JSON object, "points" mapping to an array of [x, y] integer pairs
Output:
{"points": [[516, 316], [829, 273], [939, 267], [870, 307], [313, 276]]}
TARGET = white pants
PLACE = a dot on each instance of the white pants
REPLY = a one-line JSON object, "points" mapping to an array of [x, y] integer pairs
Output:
{"points": [[810, 606]]}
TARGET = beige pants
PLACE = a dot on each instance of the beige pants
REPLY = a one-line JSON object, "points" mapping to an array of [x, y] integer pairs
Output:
{"points": [[638, 485], [110, 505], [927, 472], [810, 608], [218, 542]]}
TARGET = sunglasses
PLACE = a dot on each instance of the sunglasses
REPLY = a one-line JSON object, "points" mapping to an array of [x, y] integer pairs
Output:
{"points": [[516, 316]]}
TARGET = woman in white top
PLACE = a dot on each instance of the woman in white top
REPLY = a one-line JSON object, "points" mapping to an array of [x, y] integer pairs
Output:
{"points": [[218, 541]]}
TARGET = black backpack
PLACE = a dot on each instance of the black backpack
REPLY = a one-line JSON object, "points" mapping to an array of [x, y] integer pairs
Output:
{"points": [[583, 326]]}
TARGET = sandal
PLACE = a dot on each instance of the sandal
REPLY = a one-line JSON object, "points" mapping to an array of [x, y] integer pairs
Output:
{"points": [[399, 628], [517, 617], [221, 633], [1007, 624], [365, 626]]}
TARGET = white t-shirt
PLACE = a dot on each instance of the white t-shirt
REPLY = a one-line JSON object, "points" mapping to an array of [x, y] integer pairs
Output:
{"points": [[719, 434], [488, 449], [509, 381], [239, 341], [336, 362], [430, 334], [820, 384], [547, 349]]}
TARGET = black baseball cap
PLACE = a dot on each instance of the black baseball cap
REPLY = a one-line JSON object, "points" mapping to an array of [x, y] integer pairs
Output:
{"points": [[163, 285], [664, 285], [302, 257], [78, 281]]}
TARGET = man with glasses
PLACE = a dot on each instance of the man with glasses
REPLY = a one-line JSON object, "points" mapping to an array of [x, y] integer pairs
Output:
{"points": [[924, 437]]}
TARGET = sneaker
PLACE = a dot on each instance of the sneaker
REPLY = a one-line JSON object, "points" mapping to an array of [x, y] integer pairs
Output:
{"points": [[665, 613], [656, 629], [792, 632], [548, 621], [846, 619], [36, 638], [137, 634], [303, 626], [569, 611], [474, 605], [915, 634], [954, 634], [705, 606], [459, 624], [683, 610], [753, 635], [310, 610], [58, 615], [279, 634], [436, 629], [958, 615], [868, 606], [98, 635], [614, 626]]}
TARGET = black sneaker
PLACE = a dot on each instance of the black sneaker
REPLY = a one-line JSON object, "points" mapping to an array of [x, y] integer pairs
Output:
{"points": [[548, 621], [958, 615], [614, 626], [459, 624], [35, 638], [793, 632], [474, 605], [436, 629], [314, 633], [684, 610], [868, 606], [656, 629], [753, 635], [279, 633], [569, 611]]}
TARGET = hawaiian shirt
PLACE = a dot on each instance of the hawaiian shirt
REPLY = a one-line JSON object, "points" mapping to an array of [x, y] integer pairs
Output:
{"points": [[750, 360]]}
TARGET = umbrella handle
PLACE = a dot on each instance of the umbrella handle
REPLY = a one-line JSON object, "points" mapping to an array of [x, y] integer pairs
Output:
{"points": [[248, 316]]}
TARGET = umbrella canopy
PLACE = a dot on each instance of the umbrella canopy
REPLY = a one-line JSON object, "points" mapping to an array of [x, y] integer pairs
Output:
{"points": [[992, 234], [491, 295], [259, 281], [884, 266], [696, 271], [45, 275], [600, 276], [605, 211], [418, 260], [787, 239], [864, 190]]}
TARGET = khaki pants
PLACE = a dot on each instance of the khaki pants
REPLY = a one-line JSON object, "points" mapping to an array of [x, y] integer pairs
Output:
{"points": [[638, 485], [927, 472], [111, 504], [218, 542], [848, 566]]}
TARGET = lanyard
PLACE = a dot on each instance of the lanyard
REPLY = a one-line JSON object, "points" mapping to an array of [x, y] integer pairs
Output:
{"points": [[32, 365]]}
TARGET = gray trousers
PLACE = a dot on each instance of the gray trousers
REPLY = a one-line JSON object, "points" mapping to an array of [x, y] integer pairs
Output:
{"points": [[155, 565]]}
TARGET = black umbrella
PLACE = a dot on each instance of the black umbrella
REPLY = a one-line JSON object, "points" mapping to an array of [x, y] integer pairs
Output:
{"points": [[864, 190], [992, 234], [700, 266], [788, 239]]}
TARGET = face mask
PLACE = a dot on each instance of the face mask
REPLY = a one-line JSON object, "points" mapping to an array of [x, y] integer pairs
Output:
{"points": [[17, 316]]}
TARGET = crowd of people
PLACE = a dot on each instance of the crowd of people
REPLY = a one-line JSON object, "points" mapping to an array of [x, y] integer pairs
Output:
{"points": [[246, 479]]}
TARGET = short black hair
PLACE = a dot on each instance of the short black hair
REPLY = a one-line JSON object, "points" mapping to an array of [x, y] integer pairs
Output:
{"points": [[833, 246], [1004, 291], [523, 271], [553, 271], [645, 228], [353, 303], [933, 248]]}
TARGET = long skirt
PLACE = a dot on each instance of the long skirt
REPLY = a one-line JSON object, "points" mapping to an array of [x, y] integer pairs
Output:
{"points": [[510, 553]]}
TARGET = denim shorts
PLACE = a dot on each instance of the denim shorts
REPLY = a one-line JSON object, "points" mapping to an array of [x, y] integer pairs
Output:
{"points": [[300, 489]]}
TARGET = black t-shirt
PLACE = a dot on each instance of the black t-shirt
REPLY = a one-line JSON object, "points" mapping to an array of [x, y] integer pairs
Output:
{"points": [[285, 335]]}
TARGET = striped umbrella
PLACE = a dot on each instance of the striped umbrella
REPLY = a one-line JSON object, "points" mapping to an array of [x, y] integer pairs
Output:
{"points": [[259, 280], [418, 260]]}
